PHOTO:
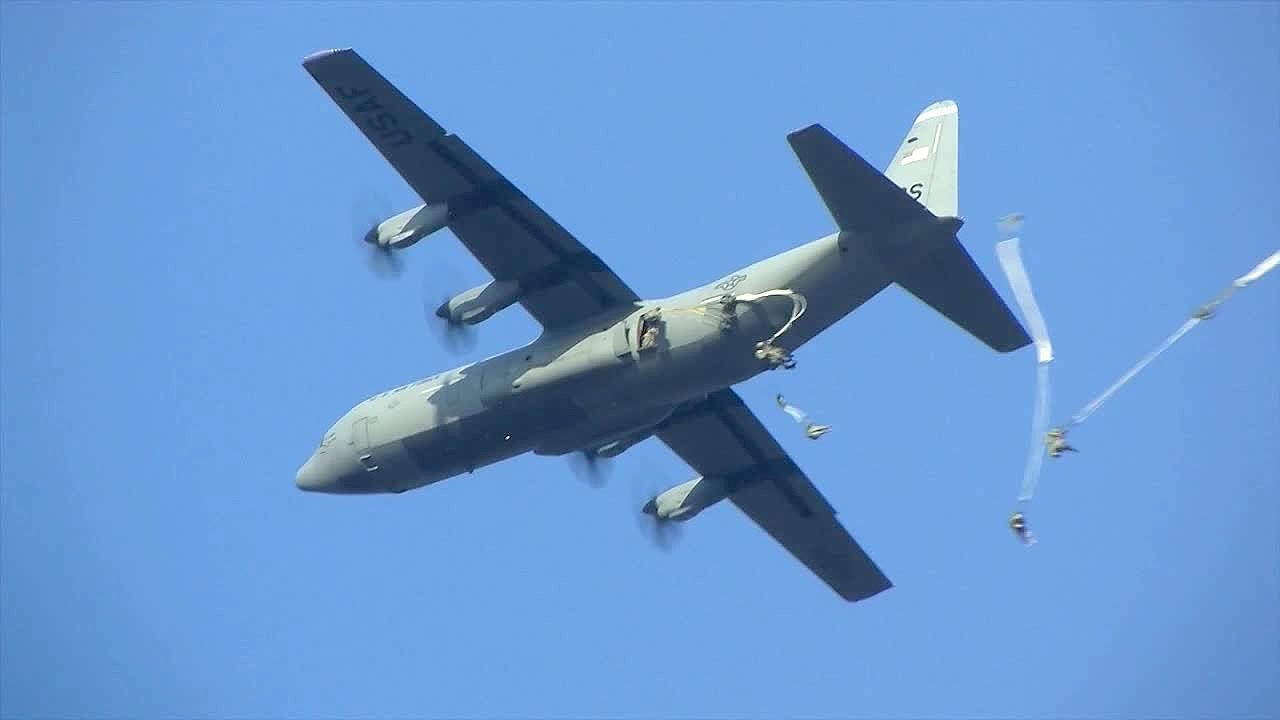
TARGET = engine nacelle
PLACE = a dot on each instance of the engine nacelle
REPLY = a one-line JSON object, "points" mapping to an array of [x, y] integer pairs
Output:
{"points": [[617, 447], [401, 231], [686, 499], [479, 303]]}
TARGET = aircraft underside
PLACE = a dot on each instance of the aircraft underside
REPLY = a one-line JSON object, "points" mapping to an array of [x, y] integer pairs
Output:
{"points": [[601, 394], [611, 368]]}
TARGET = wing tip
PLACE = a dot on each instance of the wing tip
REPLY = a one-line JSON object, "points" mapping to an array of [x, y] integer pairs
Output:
{"points": [[806, 130], [322, 55], [867, 593], [1016, 343]]}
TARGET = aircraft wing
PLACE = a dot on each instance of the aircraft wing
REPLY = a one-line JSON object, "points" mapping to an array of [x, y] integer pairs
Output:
{"points": [[720, 437], [562, 281]]}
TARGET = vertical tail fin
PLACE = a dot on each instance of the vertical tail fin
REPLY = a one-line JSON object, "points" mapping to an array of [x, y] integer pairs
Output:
{"points": [[927, 161], [906, 219]]}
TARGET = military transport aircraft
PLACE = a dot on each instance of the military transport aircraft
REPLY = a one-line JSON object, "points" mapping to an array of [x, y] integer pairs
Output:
{"points": [[611, 369]]}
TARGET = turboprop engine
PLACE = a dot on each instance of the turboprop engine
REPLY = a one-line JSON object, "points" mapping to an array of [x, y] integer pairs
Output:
{"points": [[617, 447], [685, 500], [401, 231], [478, 304]]}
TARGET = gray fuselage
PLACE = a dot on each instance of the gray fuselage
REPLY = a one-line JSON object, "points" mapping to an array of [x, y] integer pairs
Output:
{"points": [[589, 387]]}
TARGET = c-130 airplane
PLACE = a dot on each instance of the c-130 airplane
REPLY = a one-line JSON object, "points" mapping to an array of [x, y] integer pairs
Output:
{"points": [[611, 369]]}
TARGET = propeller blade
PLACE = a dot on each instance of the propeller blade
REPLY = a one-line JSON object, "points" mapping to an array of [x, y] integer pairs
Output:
{"points": [[367, 212], [456, 337], [384, 262], [590, 467], [661, 533]]}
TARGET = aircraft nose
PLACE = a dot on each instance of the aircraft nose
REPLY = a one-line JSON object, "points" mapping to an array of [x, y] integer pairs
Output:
{"points": [[310, 478]]}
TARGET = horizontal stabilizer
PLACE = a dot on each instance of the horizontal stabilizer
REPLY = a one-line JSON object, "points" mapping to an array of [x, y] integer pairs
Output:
{"points": [[858, 196], [949, 281], [905, 219]]}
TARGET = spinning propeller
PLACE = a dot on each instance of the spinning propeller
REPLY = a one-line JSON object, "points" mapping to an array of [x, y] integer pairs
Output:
{"points": [[367, 214], [663, 533], [591, 467], [457, 337]]}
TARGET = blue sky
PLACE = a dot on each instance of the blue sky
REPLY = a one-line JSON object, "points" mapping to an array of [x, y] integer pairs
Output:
{"points": [[185, 312]]}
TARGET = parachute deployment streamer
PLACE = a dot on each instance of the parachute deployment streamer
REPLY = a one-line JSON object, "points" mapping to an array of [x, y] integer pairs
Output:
{"points": [[1008, 251], [1204, 312], [1039, 425], [1097, 402]]}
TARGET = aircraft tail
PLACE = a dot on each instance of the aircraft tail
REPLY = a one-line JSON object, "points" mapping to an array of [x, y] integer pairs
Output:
{"points": [[906, 220], [927, 162]]}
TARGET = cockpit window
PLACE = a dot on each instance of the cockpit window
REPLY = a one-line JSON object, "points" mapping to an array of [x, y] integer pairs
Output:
{"points": [[327, 440]]}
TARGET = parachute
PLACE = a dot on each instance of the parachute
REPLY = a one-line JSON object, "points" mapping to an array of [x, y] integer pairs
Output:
{"points": [[1053, 441]]}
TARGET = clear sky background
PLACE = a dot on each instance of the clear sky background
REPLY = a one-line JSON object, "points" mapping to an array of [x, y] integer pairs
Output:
{"points": [[185, 311]]}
